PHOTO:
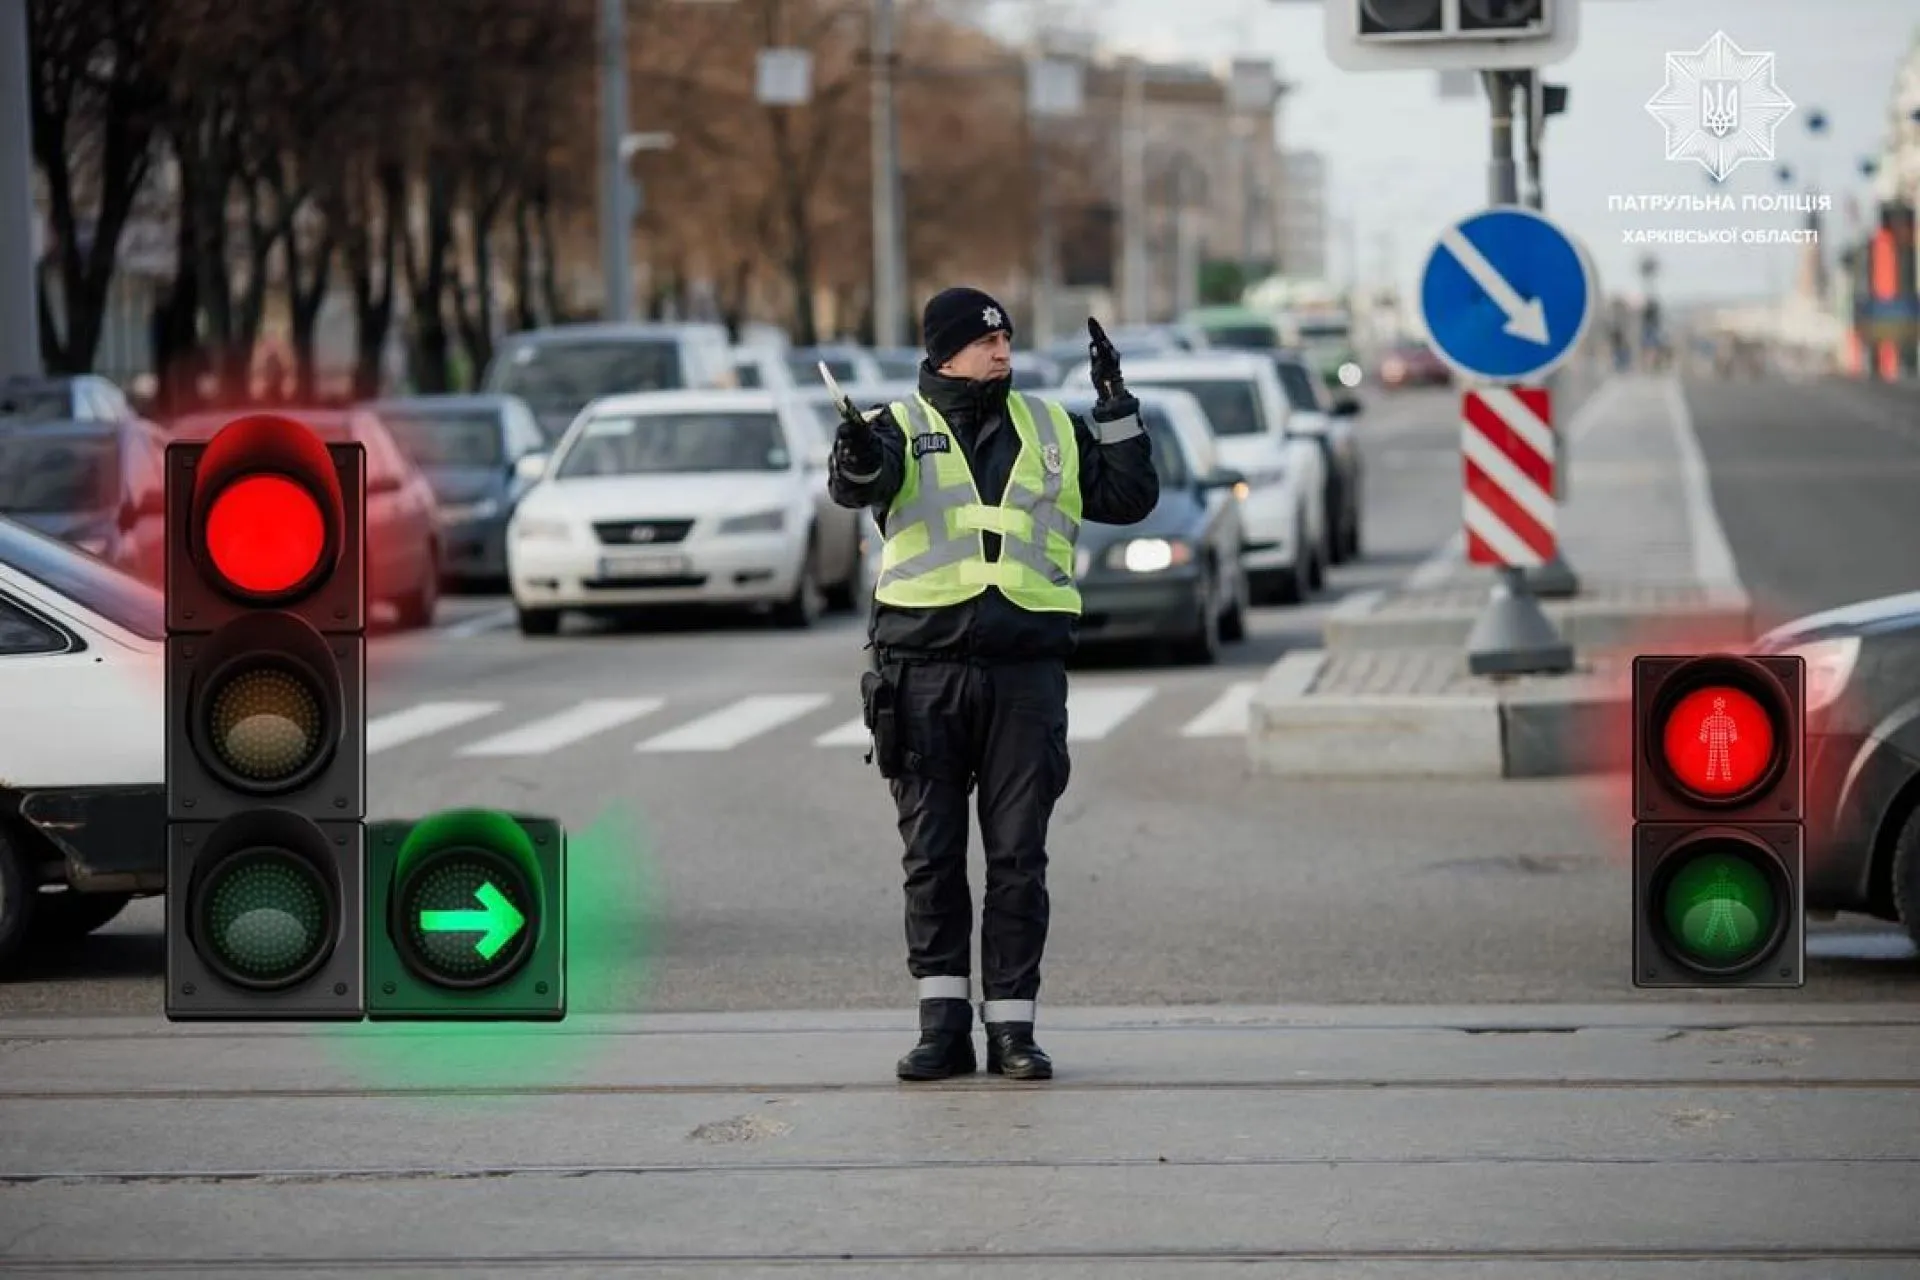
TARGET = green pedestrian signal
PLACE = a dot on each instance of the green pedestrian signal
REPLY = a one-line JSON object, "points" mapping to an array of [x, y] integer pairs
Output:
{"points": [[1719, 910], [466, 915]]}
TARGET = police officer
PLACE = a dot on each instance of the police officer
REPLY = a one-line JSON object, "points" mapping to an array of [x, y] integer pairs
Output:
{"points": [[979, 492]]}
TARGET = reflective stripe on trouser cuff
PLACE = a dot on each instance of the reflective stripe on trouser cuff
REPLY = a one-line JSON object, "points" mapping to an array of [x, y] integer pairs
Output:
{"points": [[946, 987], [1120, 429], [1008, 1010]]}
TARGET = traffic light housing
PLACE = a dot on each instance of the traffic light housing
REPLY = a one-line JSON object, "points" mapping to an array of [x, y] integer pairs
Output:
{"points": [[1719, 812], [266, 724], [466, 918]]}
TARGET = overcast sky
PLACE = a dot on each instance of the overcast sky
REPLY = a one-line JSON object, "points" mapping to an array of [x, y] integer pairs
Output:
{"points": [[1402, 160]]}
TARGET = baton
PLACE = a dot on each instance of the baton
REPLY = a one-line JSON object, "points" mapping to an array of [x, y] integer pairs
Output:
{"points": [[841, 400]]}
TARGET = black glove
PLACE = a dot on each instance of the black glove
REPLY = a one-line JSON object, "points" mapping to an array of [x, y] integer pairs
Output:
{"points": [[854, 443], [1114, 402]]}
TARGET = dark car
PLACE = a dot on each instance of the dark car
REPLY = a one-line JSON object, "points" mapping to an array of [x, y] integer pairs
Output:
{"points": [[480, 453], [1413, 364], [403, 532], [1862, 756], [1176, 577], [80, 397], [96, 485]]}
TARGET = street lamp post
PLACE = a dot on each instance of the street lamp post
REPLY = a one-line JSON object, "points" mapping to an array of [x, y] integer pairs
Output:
{"points": [[19, 307], [616, 230]]}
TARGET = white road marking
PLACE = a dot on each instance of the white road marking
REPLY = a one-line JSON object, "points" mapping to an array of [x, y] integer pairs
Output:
{"points": [[734, 724], [1094, 711], [575, 724], [497, 620], [423, 720], [1713, 563], [851, 734], [1227, 716]]}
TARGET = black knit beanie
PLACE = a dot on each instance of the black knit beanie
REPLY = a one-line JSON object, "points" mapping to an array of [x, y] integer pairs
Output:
{"points": [[957, 318]]}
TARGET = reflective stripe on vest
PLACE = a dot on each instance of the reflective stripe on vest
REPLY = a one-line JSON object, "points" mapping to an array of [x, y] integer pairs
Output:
{"points": [[934, 554]]}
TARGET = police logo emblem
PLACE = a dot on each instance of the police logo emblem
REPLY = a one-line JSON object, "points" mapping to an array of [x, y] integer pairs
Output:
{"points": [[1050, 458], [931, 442]]}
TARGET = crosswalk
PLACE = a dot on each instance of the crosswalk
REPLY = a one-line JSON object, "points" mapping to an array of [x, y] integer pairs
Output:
{"points": [[480, 729]]}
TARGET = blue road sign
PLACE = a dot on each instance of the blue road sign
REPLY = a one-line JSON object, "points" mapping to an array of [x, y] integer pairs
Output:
{"points": [[1506, 294]]}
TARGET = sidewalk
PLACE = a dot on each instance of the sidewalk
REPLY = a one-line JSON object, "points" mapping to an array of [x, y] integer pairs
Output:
{"points": [[1717, 1138], [1636, 524], [1389, 694]]}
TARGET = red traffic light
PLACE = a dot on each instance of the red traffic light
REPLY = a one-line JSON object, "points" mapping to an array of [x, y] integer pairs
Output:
{"points": [[1718, 741], [268, 509], [265, 534]]}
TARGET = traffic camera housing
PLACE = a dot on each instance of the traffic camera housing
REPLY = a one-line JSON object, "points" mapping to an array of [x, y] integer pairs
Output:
{"points": [[1719, 814], [266, 724], [467, 918]]}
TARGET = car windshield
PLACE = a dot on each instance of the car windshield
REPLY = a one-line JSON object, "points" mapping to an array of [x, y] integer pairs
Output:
{"points": [[897, 366], [559, 379], [676, 443], [1301, 388], [96, 586], [1244, 337], [1323, 333], [747, 374], [1169, 458], [806, 368], [1231, 407], [42, 473], [448, 438], [35, 402]]}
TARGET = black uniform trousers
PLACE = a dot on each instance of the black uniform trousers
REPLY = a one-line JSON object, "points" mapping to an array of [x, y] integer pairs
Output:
{"points": [[999, 728]]}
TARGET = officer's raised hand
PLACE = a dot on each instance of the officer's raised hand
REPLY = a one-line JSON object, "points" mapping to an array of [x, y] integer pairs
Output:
{"points": [[855, 449], [1115, 402]]}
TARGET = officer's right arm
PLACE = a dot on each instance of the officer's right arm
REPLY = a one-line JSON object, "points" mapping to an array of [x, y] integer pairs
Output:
{"points": [[871, 481]]}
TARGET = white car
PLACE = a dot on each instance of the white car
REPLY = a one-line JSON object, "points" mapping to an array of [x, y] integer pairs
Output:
{"points": [[762, 369], [679, 498], [83, 751], [1284, 507]]}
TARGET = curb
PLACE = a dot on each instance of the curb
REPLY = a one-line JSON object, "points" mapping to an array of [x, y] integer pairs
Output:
{"points": [[1724, 614], [1513, 730]]}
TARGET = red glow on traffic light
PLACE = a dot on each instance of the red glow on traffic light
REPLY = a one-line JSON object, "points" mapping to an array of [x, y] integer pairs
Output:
{"points": [[1718, 741], [265, 534]]}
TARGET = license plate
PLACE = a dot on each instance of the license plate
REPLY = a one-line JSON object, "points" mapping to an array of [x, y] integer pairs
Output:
{"points": [[627, 568]]}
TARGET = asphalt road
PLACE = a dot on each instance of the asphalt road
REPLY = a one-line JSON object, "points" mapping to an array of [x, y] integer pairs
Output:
{"points": [[725, 857]]}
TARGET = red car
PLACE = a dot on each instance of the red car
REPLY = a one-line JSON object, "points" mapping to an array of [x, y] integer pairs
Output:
{"points": [[403, 539], [1413, 364]]}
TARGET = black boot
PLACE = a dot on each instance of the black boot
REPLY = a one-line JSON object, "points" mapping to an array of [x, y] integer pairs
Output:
{"points": [[946, 1043], [1012, 1053]]}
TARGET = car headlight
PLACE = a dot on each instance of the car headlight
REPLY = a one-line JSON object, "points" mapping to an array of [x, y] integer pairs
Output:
{"points": [[755, 522], [538, 529], [465, 512], [1350, 374], [1830, 665], [1149, 555]]}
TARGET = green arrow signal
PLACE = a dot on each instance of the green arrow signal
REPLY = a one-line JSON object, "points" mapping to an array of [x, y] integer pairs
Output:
{"points": [[497, 921]]}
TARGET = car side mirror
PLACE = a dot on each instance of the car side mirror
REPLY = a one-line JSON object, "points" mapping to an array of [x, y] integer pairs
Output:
{"points": [[1222, 478], [529, 467], [1346, 407]]}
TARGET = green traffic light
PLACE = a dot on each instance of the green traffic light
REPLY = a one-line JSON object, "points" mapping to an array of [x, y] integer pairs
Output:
{"points": [[263, 918], [497, 920], [1720, 910]]}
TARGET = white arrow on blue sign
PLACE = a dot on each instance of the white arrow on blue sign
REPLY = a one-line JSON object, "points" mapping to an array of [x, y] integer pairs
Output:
{"points": [[1507, 295]]}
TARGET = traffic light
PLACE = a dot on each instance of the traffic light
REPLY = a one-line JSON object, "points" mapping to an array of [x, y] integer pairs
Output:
{"points": [[467, 917], [266, 723], [1719, 808], [1418, 20]]}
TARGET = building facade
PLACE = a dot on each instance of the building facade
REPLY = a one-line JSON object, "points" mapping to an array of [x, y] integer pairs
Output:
{"points": [[1303, 214]]}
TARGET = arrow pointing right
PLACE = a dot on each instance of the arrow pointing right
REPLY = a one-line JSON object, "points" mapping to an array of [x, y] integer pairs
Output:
{"points": [[1526, 317], [498, 920]]}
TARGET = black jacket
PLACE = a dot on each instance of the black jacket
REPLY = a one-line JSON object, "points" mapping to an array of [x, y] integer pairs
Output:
{"points": [[1118, 485]]}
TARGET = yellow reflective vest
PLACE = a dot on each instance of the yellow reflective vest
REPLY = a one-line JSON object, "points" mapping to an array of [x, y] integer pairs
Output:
{"points": [[935, 554]]}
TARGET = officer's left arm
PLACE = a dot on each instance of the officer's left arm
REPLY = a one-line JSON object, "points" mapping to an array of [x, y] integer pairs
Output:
{"points": [[1118, 481]]}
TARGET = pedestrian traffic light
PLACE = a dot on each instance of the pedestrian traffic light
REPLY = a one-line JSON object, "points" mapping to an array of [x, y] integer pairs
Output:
{"points": [[266, 723], [467, 917], [1719, 808]]}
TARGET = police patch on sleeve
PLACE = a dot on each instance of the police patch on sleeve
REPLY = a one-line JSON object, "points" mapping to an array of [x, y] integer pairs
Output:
{"points": [[931, 442]]}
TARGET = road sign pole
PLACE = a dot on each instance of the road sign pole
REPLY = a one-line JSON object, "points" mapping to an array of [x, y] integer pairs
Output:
{"points": [[616, 228], [1513, 636], [19, 316], [1554, 580]]}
